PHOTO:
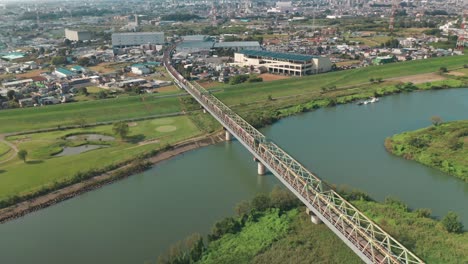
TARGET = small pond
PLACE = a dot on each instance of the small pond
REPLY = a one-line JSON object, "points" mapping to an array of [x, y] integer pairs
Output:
{"points": [[67, 151], [91, 137]]}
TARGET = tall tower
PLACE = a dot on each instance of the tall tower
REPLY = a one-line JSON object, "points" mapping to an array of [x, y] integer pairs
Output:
{"points": [[214, 21], [391, 25], [463, 32]]}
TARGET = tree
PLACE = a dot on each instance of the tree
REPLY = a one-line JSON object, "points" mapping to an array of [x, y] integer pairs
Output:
{"points": [[22, 154], [84, 61], [371, 80], [58, 60], [452, 223], [121, 129], [436, 120], [282, 199], [443, 69], [83, 91], [243, 208], [11, 94], [261, 202]]}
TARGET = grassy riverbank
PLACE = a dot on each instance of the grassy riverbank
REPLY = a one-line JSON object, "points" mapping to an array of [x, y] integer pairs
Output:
{"points": [[444, 147], [43, 170], [275, 95], [261, 104], [272, 229]]}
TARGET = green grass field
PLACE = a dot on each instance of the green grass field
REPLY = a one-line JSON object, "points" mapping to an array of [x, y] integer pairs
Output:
{"points": [[43, 169], [16, 120], [444, 147], [4, 151], [246, 93]]}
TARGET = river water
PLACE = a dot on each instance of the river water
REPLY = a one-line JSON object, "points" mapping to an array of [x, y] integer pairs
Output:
{"points": [[134, 220]]}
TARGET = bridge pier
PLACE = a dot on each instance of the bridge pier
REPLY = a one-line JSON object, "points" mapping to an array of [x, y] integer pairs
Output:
{"points": [[261, 169], [227, 135], [313, 218], [204, 110]]}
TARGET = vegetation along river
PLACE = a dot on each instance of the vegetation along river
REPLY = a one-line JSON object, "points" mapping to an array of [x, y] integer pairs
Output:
{"points": [[134, 220]]}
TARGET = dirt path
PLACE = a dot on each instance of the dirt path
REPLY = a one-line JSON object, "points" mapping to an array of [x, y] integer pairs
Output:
{"points": [[71, 191], [12, 146], [419, 78]]}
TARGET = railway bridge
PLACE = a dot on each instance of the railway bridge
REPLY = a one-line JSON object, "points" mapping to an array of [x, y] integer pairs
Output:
{"points": [[370, 242]]}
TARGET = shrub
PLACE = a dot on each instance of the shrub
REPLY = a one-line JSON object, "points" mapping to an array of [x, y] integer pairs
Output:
{"points": [[452, 223], [423, 212], [261, 202]]}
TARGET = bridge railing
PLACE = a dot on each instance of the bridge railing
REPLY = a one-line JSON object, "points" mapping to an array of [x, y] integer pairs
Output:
{"points": [[367, 237]]}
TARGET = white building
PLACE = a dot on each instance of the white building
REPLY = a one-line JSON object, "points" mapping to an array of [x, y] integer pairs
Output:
{"points": [[75, 35], [285, 63], [122, 40], [238, 45]]}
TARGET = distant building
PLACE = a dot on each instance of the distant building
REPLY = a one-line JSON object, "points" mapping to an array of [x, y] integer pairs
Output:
{"points": [[384, 60], [63, 73], [15, 84], [284, 63], [238, 45], [140, 69], [122, 40], [75, 35]]}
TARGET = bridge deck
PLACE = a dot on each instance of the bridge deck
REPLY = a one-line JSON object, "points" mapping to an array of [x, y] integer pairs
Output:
{"points": [[370, 242]]}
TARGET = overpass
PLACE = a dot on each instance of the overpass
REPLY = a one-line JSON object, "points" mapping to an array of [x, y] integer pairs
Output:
{"points": [[370, 242]]}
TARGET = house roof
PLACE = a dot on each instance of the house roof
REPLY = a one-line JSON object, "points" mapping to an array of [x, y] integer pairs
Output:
{"points": [[277, 55], [64, 71], [230, 44]]}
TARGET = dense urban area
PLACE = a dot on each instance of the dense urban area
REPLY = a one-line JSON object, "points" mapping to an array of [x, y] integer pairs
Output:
{"points": [[92, 92]]}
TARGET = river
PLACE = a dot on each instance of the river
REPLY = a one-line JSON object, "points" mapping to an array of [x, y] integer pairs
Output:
{"points": [[134, 220]]}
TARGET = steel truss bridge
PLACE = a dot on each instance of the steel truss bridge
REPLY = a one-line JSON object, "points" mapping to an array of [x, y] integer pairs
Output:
{"points": [[370, 242]]}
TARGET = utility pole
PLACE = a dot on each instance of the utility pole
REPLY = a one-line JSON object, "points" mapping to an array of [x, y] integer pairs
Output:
{"points": [[463, 32], [391, 26]]}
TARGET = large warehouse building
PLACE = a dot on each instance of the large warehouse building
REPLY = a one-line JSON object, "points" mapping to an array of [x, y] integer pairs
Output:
{"points": [[75, 35], [285, 63], [122, 40]]}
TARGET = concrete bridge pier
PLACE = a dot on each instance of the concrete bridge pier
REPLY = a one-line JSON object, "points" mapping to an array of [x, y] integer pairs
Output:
{"points": [[227, 135], [313, 218], [261, 169], [204, 111]]}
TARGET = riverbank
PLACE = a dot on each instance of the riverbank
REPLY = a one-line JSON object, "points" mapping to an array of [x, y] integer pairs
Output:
{"points": [[441, 146], [275, 229], [37, 203]]}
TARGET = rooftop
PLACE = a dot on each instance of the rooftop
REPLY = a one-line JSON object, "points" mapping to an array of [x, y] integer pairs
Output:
{"points": [[237, 44], [64, 71], [277, 55]]}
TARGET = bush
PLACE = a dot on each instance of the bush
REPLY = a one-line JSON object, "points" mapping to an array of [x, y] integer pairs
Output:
{"points": [[227, 225], [452, 223], [261, 202], [283, 199], [253, 79], [423, 212], [238, 79]]}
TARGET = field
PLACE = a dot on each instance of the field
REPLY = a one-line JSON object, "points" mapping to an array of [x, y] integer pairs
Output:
{"points": [[147, 105], [246, 93], [16, 120], [371, 41], [43, 168], [268, 77], [444, 147], [4, 151]]}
